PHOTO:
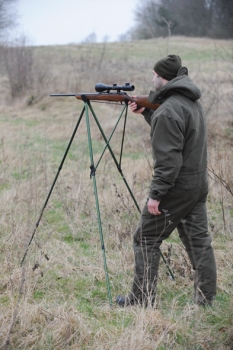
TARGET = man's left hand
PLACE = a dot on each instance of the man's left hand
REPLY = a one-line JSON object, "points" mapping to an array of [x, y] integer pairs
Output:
{"points": [[153, 206]]}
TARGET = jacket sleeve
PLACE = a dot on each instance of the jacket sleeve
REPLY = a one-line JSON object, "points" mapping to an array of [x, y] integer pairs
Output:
{"points": [[147, 113], [167, 147]]}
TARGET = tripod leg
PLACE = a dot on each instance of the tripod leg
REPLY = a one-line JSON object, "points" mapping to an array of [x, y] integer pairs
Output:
{"points": [[97, 203], [123, 133], [54, 182]]}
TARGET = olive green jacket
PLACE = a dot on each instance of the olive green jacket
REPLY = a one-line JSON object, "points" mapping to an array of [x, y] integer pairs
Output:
{"points": [[178, 135]]}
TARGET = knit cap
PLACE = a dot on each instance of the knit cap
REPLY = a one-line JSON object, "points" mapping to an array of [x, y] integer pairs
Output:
{"points": [[167, 67]]}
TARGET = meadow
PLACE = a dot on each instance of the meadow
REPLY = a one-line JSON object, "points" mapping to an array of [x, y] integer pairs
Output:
{"points": [[58, 298]]}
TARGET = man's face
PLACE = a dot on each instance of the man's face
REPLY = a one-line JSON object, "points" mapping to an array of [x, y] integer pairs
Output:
{"points": [[157, 81]]}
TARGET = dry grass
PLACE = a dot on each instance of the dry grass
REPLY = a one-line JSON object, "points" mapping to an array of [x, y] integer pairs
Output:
{"points": [[59, 300]]}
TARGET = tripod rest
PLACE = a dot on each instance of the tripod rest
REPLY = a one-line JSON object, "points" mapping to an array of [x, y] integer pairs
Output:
{"points": [[88, 107]]}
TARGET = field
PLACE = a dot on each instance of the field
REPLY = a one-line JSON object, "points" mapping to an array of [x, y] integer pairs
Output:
{"points": [[58, 298]]}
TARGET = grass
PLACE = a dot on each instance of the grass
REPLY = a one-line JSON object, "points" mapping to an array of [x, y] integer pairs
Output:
{"points": [[59, 299]]}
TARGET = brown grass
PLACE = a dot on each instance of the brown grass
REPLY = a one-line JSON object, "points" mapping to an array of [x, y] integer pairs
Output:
{"points": [[58, 300]]}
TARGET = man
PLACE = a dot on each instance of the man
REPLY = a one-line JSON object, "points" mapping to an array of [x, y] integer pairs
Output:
{"points": [[178, 191]]}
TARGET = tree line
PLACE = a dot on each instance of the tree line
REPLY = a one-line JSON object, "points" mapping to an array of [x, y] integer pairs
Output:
{"points": [[194, 18]]}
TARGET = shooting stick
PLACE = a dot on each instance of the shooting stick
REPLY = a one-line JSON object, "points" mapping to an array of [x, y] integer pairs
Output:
{"points": [[93, 167]]}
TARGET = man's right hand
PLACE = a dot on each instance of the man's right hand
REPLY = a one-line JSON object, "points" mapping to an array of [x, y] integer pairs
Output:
{"points": [[153, 206], [134, 107]]}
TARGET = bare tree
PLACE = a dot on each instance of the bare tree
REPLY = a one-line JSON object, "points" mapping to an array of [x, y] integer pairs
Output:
{"points": [[169, 24], [18, 64], [91, 38], [146, 16], [28, 74], [211, 18], [8, 15]]}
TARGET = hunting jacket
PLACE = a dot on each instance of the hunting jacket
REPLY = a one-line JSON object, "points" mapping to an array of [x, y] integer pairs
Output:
{"points": [[178, 136]]}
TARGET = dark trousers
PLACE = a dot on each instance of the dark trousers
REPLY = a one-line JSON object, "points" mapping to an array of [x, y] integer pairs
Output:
{"points": [[186, 211]]}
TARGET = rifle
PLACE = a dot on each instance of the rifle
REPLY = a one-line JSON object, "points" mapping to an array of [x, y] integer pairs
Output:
{"points": [[104, 94]]}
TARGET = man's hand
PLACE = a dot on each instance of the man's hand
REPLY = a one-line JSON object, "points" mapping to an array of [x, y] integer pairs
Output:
{"points": [[134, 107], [153, 206]]}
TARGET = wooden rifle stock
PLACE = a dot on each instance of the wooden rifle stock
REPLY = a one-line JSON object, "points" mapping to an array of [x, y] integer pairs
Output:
{"points": [[141, 101], [120, 97]]}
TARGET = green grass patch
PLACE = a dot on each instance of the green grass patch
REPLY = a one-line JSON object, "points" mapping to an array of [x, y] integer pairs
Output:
{"points": [[72, 239], [19, 121], [4, 186], [4, 300], [99, 291], [85, 247], [134, 155], [169, 293], [22, 175], [38, 295], [55, 217]]}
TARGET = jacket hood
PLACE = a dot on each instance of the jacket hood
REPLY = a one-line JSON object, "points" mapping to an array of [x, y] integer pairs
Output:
{"points": [[182, 84]]}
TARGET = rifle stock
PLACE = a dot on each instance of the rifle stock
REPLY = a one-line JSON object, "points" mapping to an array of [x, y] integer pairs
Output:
{"points": [[142, 101]]}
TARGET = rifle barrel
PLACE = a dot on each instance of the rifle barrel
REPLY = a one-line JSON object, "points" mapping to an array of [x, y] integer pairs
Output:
{"points": [[57, 95]]}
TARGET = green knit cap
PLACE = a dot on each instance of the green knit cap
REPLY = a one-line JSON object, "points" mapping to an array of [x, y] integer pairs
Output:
{"points": [[167, 67]]}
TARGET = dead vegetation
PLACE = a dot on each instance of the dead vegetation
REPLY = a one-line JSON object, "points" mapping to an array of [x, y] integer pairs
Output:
{"points": [[58, 299]]}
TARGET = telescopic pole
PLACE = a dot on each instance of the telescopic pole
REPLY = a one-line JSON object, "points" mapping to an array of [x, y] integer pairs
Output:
{"points": [[93, 169]]}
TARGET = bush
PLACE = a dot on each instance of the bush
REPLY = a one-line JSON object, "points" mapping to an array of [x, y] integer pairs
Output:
{"points": [[27, 74]]}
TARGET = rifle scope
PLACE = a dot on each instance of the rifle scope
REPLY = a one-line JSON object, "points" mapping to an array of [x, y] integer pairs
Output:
{"points": [[102, 87]]}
